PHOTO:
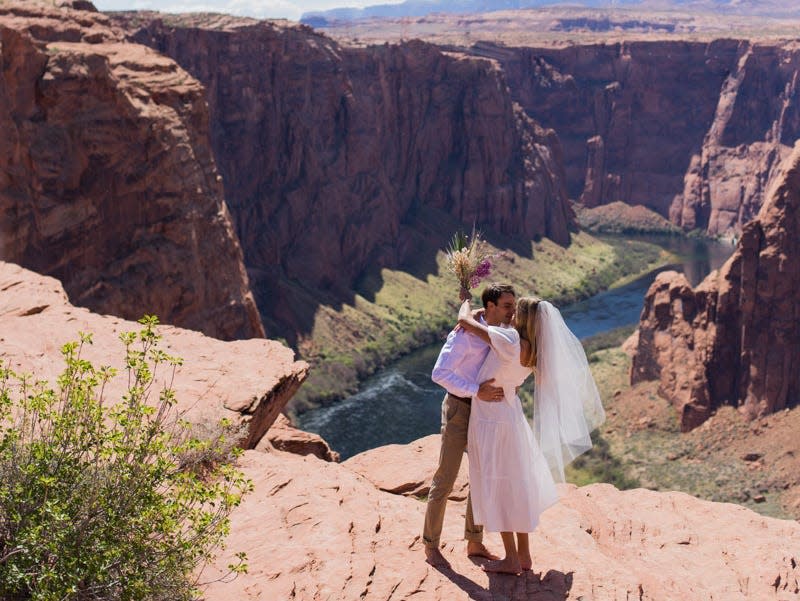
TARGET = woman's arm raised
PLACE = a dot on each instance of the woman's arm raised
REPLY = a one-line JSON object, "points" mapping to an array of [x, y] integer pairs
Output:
{"points": [[472, 325]]}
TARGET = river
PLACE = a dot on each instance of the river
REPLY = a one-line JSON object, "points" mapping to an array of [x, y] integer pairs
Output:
{"points": [[400, 403]]}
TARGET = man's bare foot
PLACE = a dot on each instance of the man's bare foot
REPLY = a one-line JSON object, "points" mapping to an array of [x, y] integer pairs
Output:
{"points": [[503, 566], [434, 557], [525, 562], [476, 549]]}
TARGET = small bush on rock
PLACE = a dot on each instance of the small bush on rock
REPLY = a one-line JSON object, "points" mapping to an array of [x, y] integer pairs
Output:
{"points": [[107, 501]]}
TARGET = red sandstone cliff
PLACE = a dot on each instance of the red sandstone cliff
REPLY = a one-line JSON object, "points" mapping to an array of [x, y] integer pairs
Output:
{"points": [[755, 124], [330, 153], [693, 130], [107, 178], [736, 338]]}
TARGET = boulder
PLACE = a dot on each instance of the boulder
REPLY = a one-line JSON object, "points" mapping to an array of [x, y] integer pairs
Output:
{"points": [[282, 435]]}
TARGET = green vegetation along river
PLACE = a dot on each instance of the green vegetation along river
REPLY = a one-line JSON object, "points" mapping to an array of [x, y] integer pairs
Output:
{"points": [[399, 403]]}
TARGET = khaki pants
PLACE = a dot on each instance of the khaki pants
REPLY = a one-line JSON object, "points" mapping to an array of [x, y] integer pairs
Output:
{"points": [[455, 421]]}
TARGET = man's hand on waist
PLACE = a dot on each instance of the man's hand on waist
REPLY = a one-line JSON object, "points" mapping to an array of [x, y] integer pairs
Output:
{"points": [[487, 391]]}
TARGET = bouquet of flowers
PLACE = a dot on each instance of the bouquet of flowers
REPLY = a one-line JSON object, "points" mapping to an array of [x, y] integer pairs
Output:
{"points": [[468, 259]]}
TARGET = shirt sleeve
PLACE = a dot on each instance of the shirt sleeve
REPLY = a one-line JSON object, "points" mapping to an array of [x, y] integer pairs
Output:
{"points": [[505, 342], [451, 354]]}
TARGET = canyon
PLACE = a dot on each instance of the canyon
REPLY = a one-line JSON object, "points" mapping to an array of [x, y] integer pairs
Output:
{"points": [[234, 176], [734, 339], [315, 528], [693, 130], [201, 166], [330, 154], [662, 124]]}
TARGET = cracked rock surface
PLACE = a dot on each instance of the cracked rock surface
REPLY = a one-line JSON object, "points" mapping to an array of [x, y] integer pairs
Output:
{"points": [[317, 530]]}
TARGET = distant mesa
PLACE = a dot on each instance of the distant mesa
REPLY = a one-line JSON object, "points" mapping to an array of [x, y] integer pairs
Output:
{"points": [[417, 8], [420, 8]]}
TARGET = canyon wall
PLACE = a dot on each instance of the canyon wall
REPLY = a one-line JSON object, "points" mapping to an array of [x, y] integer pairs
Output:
{"points": [[735, 339], [330, 154], [693, 130], [107, 176]]}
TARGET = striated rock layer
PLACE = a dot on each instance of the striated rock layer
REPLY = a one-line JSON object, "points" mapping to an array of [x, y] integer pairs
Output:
{"points": [[735, 339], [246, 381], [107, 178], [692, 130], [330, 153], [316, 530]]}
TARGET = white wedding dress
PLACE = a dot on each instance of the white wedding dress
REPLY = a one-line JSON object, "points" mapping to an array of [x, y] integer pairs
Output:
{"points": [[510, 481]]}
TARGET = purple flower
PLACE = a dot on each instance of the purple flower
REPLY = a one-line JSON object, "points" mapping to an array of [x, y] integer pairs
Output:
{"points": [[484, 269]]}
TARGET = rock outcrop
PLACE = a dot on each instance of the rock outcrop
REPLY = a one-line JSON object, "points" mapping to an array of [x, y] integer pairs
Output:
{"points": [[329, 153], [755, 124], [246, 381], [107, 177], [285, 437], [692, 130], [316, 530], [736, 338]]}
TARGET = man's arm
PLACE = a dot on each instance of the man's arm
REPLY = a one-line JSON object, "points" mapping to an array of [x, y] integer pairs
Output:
{"points": [[443, 372], [444, 375]]}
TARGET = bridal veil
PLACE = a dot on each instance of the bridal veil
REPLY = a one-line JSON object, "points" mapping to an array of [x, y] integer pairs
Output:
{"points": [[567, 405]]}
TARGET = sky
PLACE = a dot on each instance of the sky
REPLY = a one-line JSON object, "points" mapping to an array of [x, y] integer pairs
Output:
{"points": [[263, 9]]}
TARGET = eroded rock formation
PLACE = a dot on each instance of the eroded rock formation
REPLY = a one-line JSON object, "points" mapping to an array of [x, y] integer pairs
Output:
{"points": [[329, 153], [246, 381], [107, 178], [692, 130], [736, 338], [756, 121]]}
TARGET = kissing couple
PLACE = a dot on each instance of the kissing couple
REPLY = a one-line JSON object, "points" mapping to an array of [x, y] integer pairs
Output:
{"points": [[513, 464]]}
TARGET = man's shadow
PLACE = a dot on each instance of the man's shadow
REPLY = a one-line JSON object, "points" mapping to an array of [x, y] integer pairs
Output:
{"points": [[553, 586]]}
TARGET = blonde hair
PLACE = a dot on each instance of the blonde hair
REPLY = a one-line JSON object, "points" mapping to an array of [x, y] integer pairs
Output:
{"points": [[526, 323]]}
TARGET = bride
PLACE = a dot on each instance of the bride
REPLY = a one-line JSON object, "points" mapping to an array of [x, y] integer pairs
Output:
{"points": [[512, 468]]}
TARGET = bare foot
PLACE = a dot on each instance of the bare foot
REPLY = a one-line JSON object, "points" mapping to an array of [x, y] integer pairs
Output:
{"points": [[434, 557], [503, 566], [475, 549], [525, 561]]}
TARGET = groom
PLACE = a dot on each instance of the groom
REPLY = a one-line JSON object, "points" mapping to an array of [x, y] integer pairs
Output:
{"points": [[456, 370]]}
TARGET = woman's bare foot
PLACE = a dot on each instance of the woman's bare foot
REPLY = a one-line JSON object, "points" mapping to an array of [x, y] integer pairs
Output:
{"points": [[503, 566], [434, 557], [476, 549], [525, 561]]}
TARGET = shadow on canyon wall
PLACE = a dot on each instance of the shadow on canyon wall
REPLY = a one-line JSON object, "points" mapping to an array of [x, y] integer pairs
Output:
{"points": [[328, 152], [335, 162]]}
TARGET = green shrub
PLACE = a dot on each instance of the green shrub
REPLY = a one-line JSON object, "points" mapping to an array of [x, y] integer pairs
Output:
{"points": [[108, 501]]}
